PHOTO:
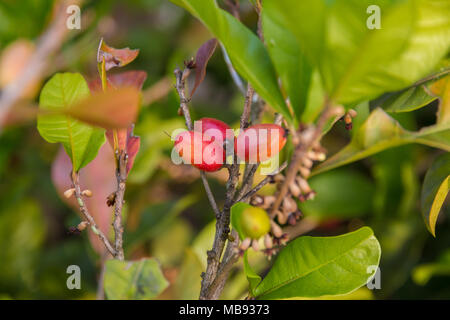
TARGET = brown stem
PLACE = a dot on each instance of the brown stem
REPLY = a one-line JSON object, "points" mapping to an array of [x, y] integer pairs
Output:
{"points": [[84, 211], [121, 176]]}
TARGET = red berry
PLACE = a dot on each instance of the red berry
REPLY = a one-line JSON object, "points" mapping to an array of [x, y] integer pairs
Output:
{"points": [[200, 150], [209, 125], [260, 142]]}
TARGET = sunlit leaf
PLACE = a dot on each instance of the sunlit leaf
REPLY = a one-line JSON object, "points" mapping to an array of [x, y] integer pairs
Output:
{"points": [[115, 57], [317, 266], [357, 62], [202, 57], [80, 140], [137, 280], [435, 188]]}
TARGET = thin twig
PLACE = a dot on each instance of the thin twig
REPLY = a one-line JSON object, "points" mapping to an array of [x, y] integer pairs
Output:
{"points": [[230, 258], [210, 195], [259, 186], [247, 106], [84, 211], [121, 176]]}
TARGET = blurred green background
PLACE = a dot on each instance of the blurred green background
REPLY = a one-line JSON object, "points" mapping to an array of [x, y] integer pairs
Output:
{"points": [[167, 212]]}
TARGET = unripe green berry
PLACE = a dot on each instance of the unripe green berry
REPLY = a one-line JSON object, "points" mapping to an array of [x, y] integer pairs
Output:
{"points": [[255, 222]]}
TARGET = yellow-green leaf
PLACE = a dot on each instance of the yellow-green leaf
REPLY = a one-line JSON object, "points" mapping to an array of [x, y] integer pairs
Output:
{"points": [[81, 141], [434, 190]]}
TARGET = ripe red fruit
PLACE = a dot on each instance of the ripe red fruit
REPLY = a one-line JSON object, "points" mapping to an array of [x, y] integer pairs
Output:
{"points": [[209, 124], [200, 150], [260, 142]]}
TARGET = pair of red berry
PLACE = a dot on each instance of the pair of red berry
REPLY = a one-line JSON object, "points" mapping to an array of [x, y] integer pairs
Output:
{"points": [[205, 146]]}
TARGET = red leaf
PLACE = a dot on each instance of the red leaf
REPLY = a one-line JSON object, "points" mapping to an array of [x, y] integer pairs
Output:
{"points": [[133, 78], [111, 110], [133, 145], [98, 176], [126, 141], [115, 57], [204, 53]]}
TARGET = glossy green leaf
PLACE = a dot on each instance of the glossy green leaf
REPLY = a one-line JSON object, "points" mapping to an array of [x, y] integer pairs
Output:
{"points": [[137, 280], [246, 51], [80, 140], [407, 100], [380, 132], [435, 188], [289, 61], [357, 63], [317, 266], [252, 277], [341, 194]]}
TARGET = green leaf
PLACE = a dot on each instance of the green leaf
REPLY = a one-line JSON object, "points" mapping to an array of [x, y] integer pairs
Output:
{"points": [[380, 132], [357, 63], [253, 278], [334, 200], [141, 279], [236, 212], [407, 100], [247, 53], [80, 140], [435, 188], [290, 63], [317, 266], [315, 99]]}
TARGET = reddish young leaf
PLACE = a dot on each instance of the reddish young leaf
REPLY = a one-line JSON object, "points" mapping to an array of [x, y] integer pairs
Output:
{"points": [[126, 141], [204, 53], [133, 78], [98, 176], [133, 145], [115, 57], [111, 110]]}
